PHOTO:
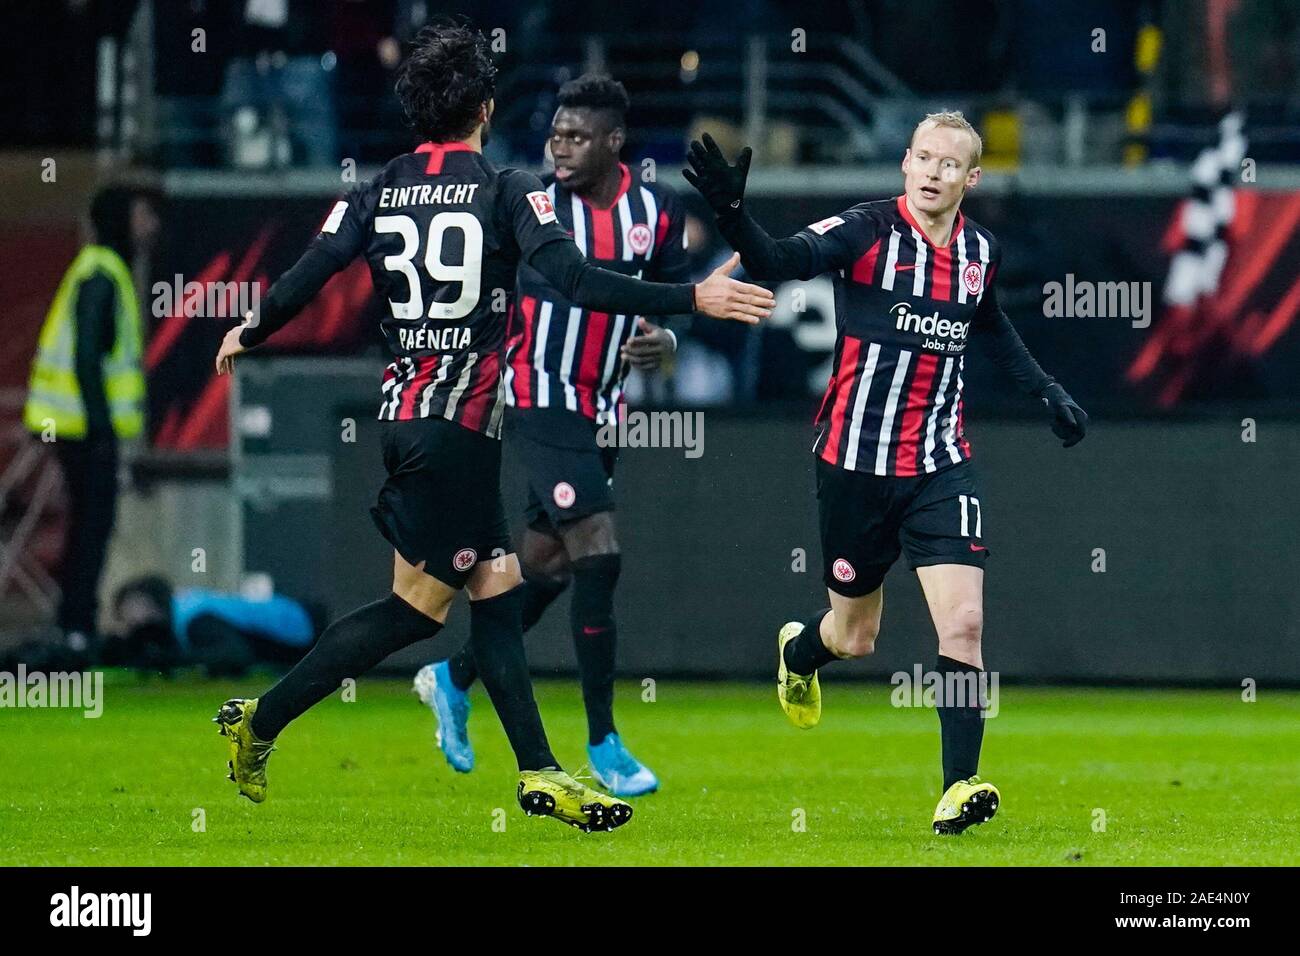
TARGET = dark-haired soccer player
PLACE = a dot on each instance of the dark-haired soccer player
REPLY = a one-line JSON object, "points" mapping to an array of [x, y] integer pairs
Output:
{"points": [[914, 280], [564, 376], [443, 231]]}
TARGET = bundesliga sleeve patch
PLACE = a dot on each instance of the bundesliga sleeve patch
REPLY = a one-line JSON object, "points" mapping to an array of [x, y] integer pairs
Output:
{"points": [[335, 217], [826, 225], [542, 207]]}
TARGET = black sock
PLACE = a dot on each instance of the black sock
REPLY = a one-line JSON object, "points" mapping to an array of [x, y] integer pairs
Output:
{"points": [[350, 647], [806, 652], [961, 726], [461, 668], [497, 643], [591, 614], [539, 592]]}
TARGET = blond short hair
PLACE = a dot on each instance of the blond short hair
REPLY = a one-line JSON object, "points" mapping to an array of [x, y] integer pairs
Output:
{"points": [[953, 119]]}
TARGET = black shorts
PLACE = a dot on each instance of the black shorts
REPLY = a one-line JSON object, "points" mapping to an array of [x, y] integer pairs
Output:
{"points": [[868, 520], [569, 475], [442, 503]]}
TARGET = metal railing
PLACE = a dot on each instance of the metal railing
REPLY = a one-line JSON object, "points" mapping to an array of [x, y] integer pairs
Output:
{"points": [[834, 104], [759, 85]]}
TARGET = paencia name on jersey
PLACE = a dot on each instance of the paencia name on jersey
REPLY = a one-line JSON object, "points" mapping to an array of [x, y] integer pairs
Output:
{"points": [[434, 340], [390, 197]]}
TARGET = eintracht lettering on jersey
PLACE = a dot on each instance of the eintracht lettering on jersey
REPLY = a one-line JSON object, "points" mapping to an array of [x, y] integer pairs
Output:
{"points": [[442, 230], [390, 197]]}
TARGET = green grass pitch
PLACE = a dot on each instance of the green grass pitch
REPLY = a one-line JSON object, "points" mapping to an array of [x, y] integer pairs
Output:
{"points": [[1182, 777]]}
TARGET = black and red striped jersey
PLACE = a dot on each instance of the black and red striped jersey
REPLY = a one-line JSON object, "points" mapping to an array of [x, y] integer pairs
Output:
{"points": [[904, 311], [444, 233], [563, 356]]}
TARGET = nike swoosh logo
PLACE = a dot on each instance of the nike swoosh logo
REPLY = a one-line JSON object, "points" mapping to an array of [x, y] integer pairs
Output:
{"points": [[905, 268], [977, 547], [592, 631]]}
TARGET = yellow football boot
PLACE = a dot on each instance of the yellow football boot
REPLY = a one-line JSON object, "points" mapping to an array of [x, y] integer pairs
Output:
{"points": [[248, 755], [553, 793], [966, 803], [800, 697]]}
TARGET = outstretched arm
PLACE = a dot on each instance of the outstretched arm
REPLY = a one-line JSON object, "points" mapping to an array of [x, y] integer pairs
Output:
{"points": [[288, 295], [340, 240], [722, 184], [1004, 346], [765, 258], [525, 209], [569, 271]]}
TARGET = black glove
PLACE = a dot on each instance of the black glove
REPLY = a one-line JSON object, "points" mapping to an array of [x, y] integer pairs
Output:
{"points": [[1069, 421], [719, 182]]}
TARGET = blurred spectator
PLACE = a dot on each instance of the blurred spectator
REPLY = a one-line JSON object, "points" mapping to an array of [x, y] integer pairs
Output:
{"points": [[362, 34], [278, 95], [188, 73]]}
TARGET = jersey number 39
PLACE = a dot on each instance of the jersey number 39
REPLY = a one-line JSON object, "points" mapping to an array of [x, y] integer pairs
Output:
{"points": [[468, 273]]}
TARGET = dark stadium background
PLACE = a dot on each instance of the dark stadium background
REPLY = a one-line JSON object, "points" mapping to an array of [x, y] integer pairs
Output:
{"points": [[1199, 527]]}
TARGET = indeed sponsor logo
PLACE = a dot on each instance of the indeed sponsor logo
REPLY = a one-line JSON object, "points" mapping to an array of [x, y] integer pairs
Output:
{"points": [[905, 320]]}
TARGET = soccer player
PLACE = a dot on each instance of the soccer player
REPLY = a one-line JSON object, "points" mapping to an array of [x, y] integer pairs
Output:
{"points": [[914, 281], [564, 375], [443, 232]]}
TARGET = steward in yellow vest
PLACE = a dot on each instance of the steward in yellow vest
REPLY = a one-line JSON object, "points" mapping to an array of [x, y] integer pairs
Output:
{"points": [[87, 394], [57, 408]]}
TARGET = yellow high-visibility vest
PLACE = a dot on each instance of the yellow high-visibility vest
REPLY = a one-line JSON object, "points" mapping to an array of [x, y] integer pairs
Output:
{"points": [[54, 394]]}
